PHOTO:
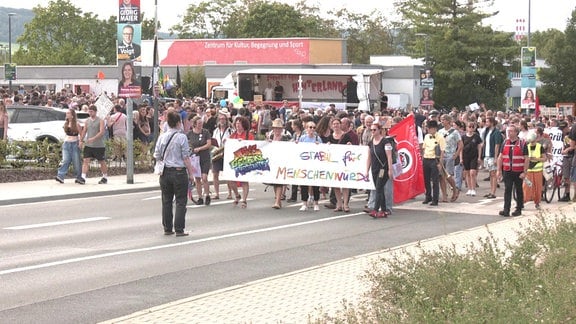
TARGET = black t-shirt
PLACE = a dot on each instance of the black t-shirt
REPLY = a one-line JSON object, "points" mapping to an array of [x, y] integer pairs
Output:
{"points": [[572, 134]]}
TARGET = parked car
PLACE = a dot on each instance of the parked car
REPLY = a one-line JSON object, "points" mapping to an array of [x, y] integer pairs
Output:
{"points": [[36, 123]]}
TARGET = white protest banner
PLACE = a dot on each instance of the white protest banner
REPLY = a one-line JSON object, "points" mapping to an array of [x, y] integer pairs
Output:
{"points": [[557, 138], [104, 106], [325, 165]]}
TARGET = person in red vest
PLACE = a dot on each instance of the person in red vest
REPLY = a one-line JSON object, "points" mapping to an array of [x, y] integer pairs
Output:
{"points": [[512, 167]]}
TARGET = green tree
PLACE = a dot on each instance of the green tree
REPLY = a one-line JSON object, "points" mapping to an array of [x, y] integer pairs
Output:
{"points": [[269, 20], [470, 61], [194, 82], [559, 78], [365, 34], [544, 42], [148, 27], [208, 19], [60, 34]]}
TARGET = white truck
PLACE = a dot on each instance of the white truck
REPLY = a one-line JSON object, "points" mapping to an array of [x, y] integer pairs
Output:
{"points": [[307, 87]]}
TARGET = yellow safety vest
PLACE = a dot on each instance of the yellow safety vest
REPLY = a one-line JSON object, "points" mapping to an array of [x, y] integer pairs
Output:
{"points": [[534, 152]]}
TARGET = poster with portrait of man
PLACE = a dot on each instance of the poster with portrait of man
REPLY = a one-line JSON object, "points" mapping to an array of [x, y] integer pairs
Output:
{"points": [[129, 38], [129, 11], [426, 78]]}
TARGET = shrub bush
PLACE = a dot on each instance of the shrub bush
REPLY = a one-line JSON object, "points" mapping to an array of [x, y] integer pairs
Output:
{"points": [[532, 280]]}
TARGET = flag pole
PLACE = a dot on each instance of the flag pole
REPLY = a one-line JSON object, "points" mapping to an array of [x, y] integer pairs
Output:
{"points": [[155, 74]]}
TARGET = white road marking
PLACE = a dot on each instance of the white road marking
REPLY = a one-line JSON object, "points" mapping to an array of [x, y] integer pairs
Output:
{"points": [[166, 246], [72, 221], [160, 197]]}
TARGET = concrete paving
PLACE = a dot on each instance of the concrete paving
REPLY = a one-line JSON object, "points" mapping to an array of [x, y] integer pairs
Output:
{"points": [[295, 297]]}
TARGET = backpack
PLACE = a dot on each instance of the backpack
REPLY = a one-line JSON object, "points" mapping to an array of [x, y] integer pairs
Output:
{"points": [[266, 120]]}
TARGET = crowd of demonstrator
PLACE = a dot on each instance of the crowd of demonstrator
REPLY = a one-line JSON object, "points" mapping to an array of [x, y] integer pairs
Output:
{"points": [[455, 145]]}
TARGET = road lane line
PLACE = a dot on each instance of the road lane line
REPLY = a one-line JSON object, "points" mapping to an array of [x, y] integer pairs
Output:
{"points": [[165, 246], [160, 197], [72, 221]]}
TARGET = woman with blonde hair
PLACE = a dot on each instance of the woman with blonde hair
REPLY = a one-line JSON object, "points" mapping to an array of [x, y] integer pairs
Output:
{"points": [[242, 126], [338, 136], [200, 145], [71, 148]]}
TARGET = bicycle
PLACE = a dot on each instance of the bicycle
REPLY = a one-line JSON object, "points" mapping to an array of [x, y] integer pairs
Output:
{"points": [[553, 185]]}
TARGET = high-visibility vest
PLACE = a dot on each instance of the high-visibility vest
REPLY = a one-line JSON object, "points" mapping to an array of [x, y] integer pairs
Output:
{"points": [[516, 163], [535, 153]]}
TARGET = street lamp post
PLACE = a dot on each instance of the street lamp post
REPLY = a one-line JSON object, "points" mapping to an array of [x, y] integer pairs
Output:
{"points": [[10, 44], [425, 46]]}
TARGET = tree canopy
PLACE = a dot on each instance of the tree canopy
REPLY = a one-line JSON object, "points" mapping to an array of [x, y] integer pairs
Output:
{"points": [[60, 34], [471, 61], [559, 78]]}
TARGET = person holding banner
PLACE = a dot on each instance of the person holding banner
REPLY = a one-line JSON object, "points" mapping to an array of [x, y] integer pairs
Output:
{"points": [[242, 132], [220, 135], [310, 136], [278, 135], [379, 162], [338, 136]]}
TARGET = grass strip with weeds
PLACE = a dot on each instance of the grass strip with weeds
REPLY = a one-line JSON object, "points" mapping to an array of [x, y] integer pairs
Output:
{"points": [[530, 280]]}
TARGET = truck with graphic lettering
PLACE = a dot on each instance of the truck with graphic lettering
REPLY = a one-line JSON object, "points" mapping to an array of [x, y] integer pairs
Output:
{"points": [[306, 87]]}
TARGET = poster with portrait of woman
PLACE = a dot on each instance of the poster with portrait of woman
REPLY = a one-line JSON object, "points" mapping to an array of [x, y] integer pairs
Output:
{"points": [[129, 84], [426, 97], [528, 98]]}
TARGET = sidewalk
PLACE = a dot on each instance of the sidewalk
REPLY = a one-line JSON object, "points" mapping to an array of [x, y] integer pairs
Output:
{"points": [[43, 190]]}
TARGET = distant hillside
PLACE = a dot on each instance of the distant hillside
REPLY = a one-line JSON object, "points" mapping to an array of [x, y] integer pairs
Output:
{"points": [[22, 17]]}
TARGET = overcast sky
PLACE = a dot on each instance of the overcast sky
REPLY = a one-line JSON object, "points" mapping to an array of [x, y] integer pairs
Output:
{"points": [[545, 13]]}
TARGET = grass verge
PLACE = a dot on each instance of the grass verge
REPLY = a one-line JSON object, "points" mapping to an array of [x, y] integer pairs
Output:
{"points": [[491, 281]]}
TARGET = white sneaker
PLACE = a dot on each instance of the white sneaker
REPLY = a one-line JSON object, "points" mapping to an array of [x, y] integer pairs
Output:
{"points": [[316, 208], [473, 193], [304, 207], [469, 192]]}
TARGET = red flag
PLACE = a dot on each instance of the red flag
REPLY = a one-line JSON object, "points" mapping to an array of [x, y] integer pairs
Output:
{"points": [[537, 111], [411, 182]]}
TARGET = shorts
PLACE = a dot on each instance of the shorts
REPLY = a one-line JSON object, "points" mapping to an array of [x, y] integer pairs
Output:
{"points": [[449, 165], [218, 165], [97, 153], [566, 167], [470, 163], [490, 164]]}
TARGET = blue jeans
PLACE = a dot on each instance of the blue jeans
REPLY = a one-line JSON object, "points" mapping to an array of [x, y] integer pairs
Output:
{"points": [[70, 154], [174, 186], [458, 174]]}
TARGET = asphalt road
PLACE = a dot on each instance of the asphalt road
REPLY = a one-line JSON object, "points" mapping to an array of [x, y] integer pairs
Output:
{"points": [[92, 259]]}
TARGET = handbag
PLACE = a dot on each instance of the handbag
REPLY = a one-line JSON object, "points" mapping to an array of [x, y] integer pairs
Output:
{"points": [[195, 161], [159, 165], [382, 171], [397, 169]]}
